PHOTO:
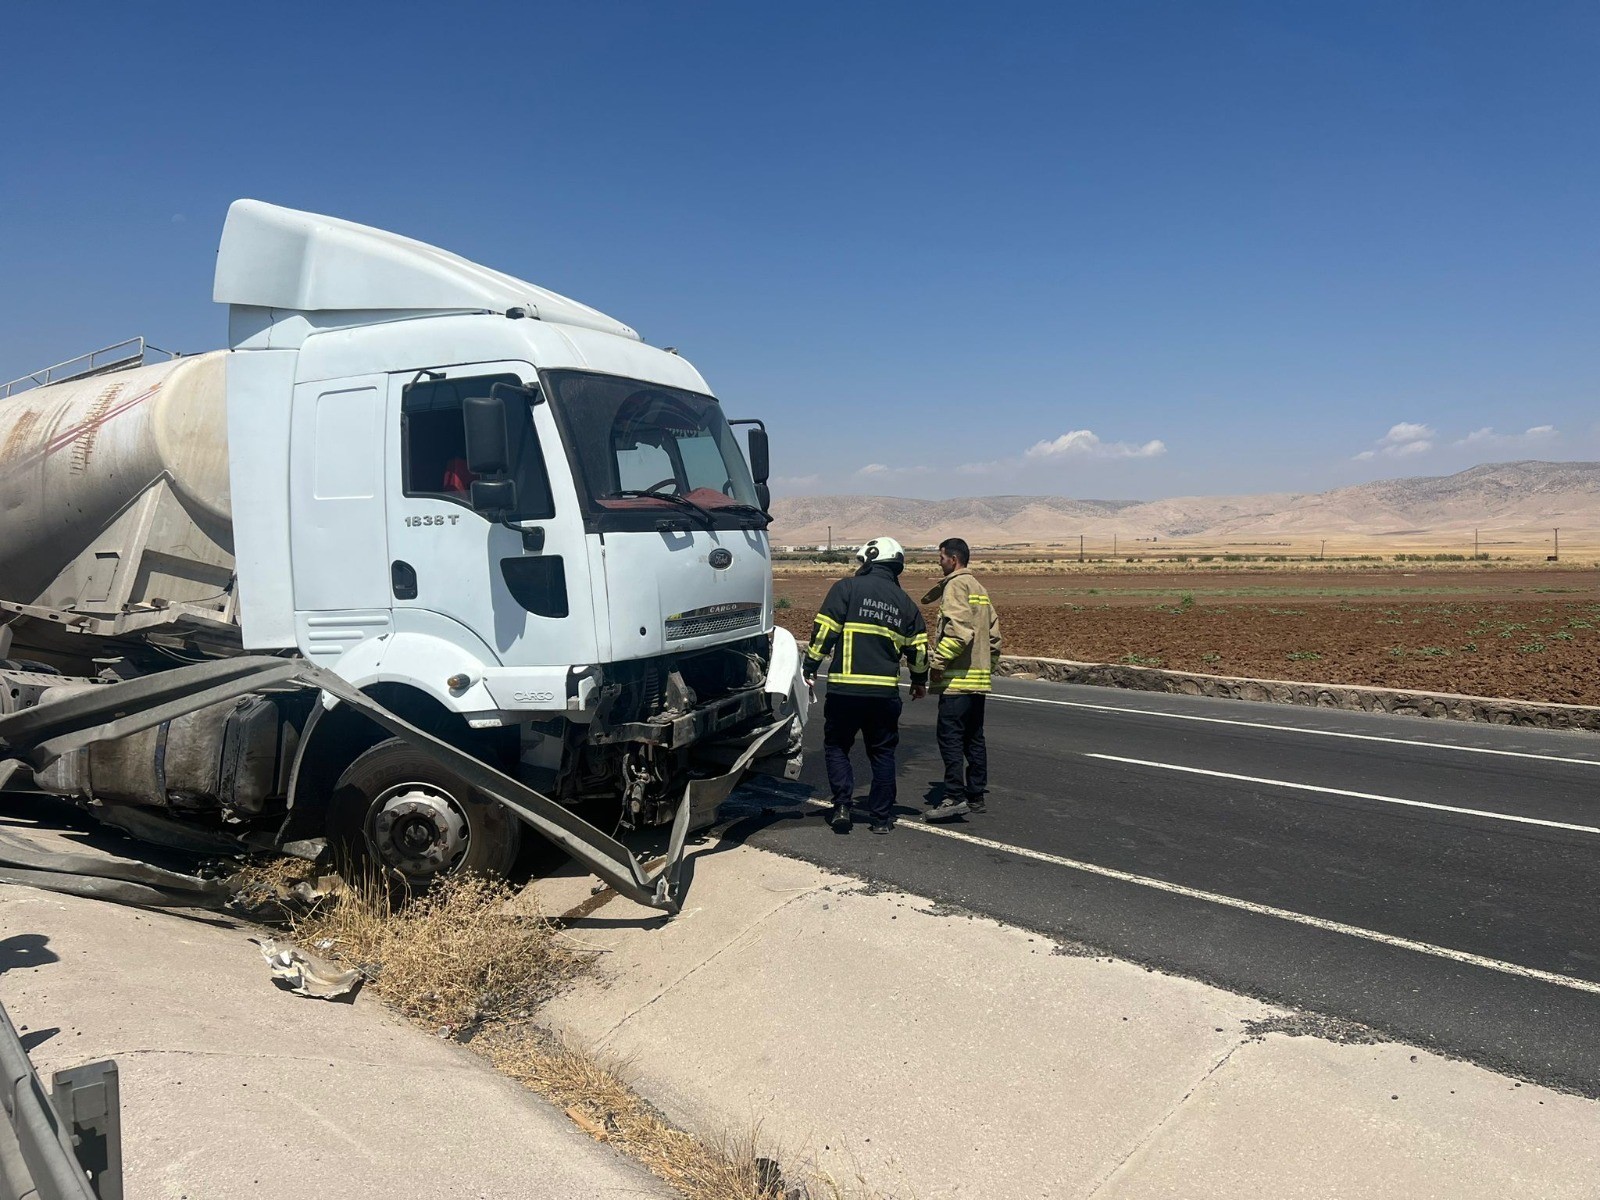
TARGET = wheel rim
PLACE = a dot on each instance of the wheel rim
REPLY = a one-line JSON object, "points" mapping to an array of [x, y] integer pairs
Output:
{"points": [[419, 829]]}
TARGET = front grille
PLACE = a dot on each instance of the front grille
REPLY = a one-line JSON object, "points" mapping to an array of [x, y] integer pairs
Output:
{"points": [[716, 618]]}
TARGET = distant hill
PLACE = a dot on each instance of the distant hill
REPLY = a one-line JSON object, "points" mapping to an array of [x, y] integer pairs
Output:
{"points": [[1489, 497]]}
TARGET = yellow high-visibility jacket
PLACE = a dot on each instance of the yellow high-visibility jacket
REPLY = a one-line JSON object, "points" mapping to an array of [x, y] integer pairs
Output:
{"points": [[966, 638]]}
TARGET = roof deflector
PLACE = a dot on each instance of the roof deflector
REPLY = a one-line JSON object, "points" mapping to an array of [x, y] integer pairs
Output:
{"points": [[285, 259]]}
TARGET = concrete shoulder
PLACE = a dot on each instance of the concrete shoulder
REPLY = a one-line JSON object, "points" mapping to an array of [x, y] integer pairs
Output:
{"points": [[233, 1088], [937, 1054]]}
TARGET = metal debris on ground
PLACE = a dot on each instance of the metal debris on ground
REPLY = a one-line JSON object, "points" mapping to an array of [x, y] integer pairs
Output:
{"points": [[104, 878], [294, 971]]}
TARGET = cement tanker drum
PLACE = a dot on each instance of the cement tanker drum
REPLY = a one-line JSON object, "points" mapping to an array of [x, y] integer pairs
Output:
{"points": [[114, 494]]}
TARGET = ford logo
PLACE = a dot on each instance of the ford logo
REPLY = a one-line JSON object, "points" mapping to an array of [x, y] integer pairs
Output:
{"points": [[720, 558]]}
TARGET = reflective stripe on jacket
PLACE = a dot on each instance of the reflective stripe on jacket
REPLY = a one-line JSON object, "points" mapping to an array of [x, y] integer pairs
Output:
{"points": [[868, 624], [966, 637]]}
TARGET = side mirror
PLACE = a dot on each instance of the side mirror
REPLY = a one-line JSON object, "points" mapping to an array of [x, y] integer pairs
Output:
{"points": [[488, 436], [764, 495], [494, 497], [760, 465]]}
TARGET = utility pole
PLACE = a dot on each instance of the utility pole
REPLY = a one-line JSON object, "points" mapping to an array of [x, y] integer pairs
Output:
{"points": [[1557, 555], [830, 539], [1080, 547], [1474, 543], [1113, 545], [1323, 553]]}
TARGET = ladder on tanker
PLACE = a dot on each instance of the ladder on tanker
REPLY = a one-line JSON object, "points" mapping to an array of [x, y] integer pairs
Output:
{"points": [[119, 356]]}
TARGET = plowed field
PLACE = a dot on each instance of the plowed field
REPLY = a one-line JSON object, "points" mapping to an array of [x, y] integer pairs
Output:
{"points": [[1532, 635]]}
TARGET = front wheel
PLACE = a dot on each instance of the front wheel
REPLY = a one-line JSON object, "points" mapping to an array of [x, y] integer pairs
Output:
{"points": [[398, 811]]}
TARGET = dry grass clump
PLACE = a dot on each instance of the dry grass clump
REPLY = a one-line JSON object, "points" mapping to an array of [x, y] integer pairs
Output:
{"points": [[601, 1104], [454, 956], [265, 886], [267, 874]]}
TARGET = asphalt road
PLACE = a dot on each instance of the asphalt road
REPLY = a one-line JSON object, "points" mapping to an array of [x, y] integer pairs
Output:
{"points": [[1434, 882]]}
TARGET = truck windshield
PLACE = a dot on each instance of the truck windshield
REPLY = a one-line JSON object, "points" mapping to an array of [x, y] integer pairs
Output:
{"points": [[629, 439]]}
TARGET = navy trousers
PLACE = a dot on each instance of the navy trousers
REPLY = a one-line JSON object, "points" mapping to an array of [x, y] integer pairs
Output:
{"points": [[877, 720], [961, 738]]}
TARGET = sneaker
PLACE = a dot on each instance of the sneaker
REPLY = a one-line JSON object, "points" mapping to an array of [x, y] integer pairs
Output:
{"points": [[947, 810], [976, 804], [839, 818], [882, 826]]}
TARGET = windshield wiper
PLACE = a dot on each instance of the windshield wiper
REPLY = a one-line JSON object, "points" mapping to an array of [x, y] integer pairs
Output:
{"points": [[754, 510], [669, 497]]}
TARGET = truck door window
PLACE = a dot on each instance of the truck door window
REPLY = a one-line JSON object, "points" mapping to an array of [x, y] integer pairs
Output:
{"points": [[433, 443]]}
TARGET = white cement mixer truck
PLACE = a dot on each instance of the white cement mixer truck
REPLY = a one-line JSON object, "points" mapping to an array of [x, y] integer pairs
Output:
{"points": [[465, 509]]}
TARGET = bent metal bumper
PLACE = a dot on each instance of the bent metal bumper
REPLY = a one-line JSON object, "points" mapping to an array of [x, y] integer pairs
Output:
{"points": [[696, 725], [37, 736]]}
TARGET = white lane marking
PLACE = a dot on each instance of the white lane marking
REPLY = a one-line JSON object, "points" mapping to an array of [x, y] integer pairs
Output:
{"points": [[1359, 737], [1328, 791], [1265, 910]]}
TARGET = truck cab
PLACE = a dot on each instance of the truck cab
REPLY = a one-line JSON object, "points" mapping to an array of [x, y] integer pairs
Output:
{"points": [[504, 516]]}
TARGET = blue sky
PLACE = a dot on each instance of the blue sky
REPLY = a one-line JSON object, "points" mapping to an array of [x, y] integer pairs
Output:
{"points": [[1122, 250]]}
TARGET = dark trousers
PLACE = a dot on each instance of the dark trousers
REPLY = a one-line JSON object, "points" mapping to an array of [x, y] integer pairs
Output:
{"points": [[961, 738], [877, 720]]}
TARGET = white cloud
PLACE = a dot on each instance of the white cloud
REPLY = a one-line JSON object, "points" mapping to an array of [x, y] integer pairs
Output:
{"points": [[1487, 437], [1402, 441], [1405, 433], [1085, 443]]}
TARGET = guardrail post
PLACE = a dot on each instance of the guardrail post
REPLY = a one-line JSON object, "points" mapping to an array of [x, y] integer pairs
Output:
{"points": [[88, 1099]]}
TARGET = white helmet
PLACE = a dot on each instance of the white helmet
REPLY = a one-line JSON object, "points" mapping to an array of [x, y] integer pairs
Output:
{"points": [[882, 550]]}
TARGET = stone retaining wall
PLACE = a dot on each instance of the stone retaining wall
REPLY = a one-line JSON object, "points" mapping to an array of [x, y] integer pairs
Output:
{"points": [[1439, 705]]}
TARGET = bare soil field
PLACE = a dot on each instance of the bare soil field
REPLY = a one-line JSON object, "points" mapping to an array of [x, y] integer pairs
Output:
{"points": [[1515, 632]]}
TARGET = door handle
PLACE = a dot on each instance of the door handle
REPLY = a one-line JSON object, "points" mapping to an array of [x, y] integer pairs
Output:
{"points": [[403, 579]]}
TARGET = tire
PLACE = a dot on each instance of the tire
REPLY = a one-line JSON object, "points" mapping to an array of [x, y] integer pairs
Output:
{"points": [[400, 814]]}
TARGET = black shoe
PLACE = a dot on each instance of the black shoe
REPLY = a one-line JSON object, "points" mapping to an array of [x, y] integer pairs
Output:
{"points": [[839, 818], [976, 804], [882, 826], [947, 811]]}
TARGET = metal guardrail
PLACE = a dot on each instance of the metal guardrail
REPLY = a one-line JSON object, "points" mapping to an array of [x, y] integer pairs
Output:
{"points": [[65, 1145], [115, 357]]}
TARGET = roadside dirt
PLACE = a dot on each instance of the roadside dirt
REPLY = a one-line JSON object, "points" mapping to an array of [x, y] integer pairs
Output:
{"points": [[1529, 635]]}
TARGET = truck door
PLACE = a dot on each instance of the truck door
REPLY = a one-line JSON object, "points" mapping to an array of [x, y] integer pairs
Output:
{"points": [[518, 595], [336, 516]]}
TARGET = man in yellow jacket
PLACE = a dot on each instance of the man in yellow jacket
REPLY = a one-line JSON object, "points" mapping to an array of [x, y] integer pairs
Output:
{"points": [[961, 655]]}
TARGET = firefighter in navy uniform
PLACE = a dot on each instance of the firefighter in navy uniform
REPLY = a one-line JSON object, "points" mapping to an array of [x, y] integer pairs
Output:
{"points": [[869, 624]]}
